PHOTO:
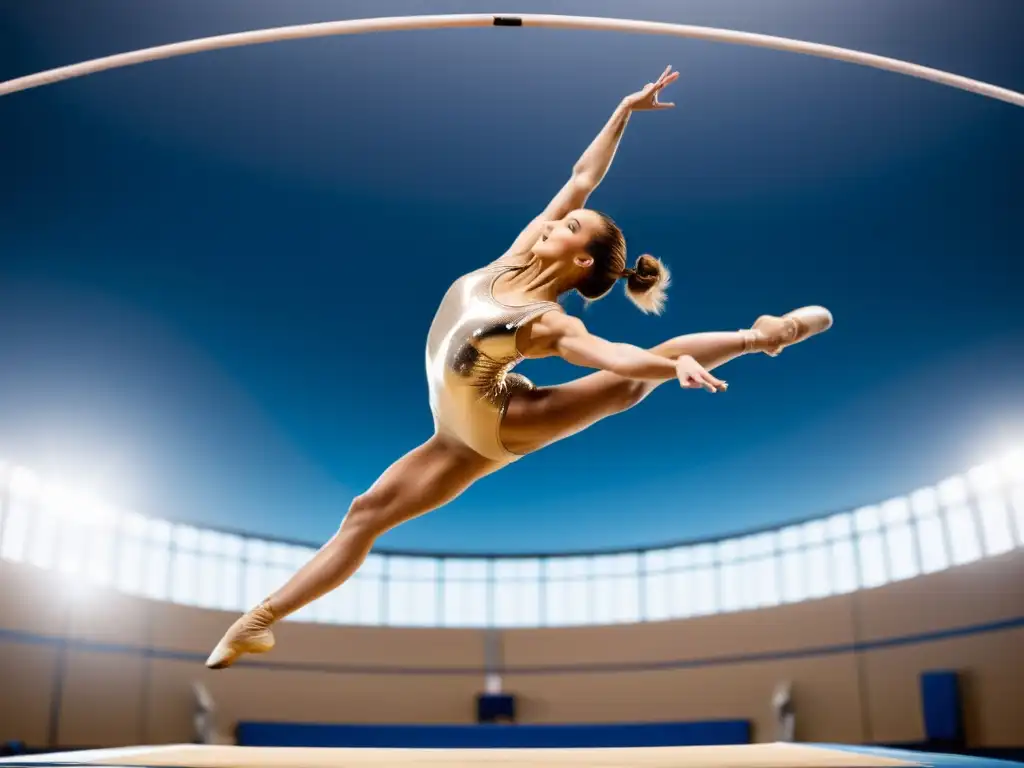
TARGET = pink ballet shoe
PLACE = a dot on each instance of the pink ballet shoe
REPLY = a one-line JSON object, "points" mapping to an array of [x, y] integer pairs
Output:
{"points": [[773, 334], [250, 634]]}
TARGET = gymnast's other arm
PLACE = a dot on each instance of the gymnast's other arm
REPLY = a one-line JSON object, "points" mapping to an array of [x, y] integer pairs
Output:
{"points": [[593, 164], [557, 334]]}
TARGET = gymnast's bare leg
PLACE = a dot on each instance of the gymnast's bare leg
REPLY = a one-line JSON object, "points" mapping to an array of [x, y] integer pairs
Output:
{"points": [[440, 469]]}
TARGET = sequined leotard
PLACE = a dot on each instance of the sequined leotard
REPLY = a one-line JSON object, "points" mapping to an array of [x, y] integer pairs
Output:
{"points": [[471, 348]]}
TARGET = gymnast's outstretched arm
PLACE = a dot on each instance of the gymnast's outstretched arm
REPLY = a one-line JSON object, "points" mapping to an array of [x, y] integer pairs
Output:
{"points": [[590, 169], [558, 334]]}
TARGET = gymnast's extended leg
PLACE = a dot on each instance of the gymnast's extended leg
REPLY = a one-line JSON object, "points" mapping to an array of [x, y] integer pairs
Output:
{"points": [[427, 477], [542, 416]]}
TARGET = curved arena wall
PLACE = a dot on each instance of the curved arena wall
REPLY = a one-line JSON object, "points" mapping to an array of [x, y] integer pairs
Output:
{"points": [[84, 664]]}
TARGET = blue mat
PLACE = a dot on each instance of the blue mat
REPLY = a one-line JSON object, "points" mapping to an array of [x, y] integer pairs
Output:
{"points": [[938, 759], [256, 734]]}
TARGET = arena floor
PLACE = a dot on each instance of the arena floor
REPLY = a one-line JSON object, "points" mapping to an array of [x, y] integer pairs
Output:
{"points": [[744, 756]]}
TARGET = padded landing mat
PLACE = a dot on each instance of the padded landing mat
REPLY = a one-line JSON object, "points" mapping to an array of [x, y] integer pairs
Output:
{"points": [[740, 756]]}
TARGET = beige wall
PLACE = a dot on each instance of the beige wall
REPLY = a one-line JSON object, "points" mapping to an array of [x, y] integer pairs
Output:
{"points": [[126, 695]]}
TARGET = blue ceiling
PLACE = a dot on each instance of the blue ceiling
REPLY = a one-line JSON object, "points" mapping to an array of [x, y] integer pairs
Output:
{"points": [[217, 272]]}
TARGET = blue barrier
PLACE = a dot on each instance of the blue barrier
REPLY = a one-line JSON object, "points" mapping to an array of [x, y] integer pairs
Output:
{"points": [[940, 705], [258, 734]]}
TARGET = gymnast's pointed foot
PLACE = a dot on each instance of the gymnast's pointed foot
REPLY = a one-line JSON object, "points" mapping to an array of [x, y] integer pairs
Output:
{"points": [[250, 634], [773, 334]]}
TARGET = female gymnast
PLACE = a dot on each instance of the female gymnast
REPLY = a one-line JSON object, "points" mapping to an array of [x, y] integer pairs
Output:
{"points": [[486, 417]]}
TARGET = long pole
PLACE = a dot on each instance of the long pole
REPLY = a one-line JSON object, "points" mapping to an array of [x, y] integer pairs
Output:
{"points": [[451, 21]]}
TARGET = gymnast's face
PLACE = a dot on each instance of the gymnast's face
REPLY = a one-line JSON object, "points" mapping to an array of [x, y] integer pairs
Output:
{"points": [[567, 238]]}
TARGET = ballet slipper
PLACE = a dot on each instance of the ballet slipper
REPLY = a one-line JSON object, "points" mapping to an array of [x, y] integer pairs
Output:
{"points": [[250, 634], [773, 334]]}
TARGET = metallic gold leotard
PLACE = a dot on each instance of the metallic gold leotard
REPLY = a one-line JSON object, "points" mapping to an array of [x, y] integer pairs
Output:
{"points": [[471, 348]]}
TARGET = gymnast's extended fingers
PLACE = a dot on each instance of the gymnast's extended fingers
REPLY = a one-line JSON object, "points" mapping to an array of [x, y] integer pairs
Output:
{"points": [[695, 381], [716, 384], [707, 381]]}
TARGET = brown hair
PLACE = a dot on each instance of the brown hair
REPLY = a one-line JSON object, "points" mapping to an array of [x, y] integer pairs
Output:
{"points": [[645, 282]]}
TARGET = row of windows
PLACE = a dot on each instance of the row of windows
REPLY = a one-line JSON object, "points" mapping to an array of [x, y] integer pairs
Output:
{"points": [[960, 520]]}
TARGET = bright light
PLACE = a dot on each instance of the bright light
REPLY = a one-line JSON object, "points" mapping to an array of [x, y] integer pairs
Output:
{"points": [[24, 482], [78, 508], [1012, 465], [953, 491], [984, 478], [925, 502], [896, 510]]}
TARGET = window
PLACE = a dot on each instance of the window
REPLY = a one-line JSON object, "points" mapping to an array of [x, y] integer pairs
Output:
{"points": [[759, 571], [931, 536], [130, 554], [844, 566], [730, 575], [964, 542], [1011, 467], [566, 591], [331, 608], [815, 532], [517, 588], [84, 537], [840, 527], [254, 581], [962, 519], [794, 586], [229, 596], [465, 598], [412, 591], [816, 565], [994, 516], [614, 589], [15, 530], [764, 579], [792, 567], [932, 542], [100, 558], [902, 556], [841, 553], [702, 597], [924, 503], [952, 492], [42, 539], [901, 548], [871, 549], [357, 601], [657, 596], [984, 479], [209, 562], [818, 571], [157, 569], [22, 502], [963, 534], [664, 591], [684, 598]]}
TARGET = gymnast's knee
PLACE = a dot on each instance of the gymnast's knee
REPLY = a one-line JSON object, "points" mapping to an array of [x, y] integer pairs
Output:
{"points": [[631, 393], [367, 515]]}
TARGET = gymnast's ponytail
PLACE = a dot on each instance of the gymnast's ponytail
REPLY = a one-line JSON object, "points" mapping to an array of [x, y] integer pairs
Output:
{"points": [[646, 284]]}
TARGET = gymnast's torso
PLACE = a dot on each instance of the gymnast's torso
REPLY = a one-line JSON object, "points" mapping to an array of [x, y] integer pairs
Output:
{"points": [[471, 349]]}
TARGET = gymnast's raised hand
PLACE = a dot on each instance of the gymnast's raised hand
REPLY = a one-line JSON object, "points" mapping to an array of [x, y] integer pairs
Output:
{"points": [[647, 98]]}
